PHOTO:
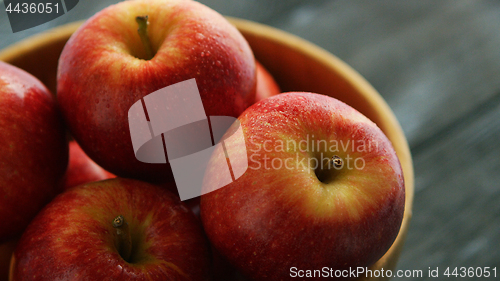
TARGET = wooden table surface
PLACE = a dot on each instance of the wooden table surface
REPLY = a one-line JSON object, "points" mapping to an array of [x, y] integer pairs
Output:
{"points": [[437, 64]]}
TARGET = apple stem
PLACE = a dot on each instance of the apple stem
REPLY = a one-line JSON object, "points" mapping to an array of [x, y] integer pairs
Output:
{"points": [[337, 162], [124, 239], [142, 21]]}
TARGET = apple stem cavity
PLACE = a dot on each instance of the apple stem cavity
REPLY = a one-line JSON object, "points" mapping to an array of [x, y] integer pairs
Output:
{"points": [[326, 174], [124, 244], [143, 23]]}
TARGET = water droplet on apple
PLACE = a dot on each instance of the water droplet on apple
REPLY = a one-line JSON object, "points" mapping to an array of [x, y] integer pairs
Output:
{"points": [[200, 36], [218, 63]]}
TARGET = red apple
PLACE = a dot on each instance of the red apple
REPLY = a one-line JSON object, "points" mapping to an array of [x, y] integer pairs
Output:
{"points": [[81, 236], [266, 85], [324, 188], [33, 149], [81, 169], [106, 66]]}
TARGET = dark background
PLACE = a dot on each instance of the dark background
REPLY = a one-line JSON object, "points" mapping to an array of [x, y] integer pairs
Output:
{"points": [[437, 64]]}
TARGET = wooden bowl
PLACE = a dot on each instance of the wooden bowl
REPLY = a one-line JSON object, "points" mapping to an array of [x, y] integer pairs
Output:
{"points": [[296, 64]]}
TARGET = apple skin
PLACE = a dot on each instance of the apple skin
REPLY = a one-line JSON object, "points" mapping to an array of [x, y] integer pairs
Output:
{"points": [[73, 237], [193, 204], [81, 169], [266, 85], [100, 74], [33, 149], [270, 220]]}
